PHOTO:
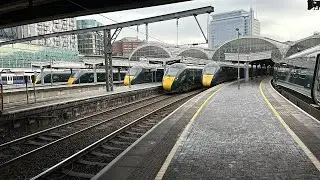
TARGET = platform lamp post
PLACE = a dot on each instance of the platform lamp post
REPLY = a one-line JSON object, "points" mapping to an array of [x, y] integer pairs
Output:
{"points": [[237, 29]]}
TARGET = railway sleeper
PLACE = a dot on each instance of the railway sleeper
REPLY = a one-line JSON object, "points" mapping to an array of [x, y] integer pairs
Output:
{"points": [[36, 143], [134, 133], [111, 148], [97, 153], [144, 126], [151, 123], [77, 174], [128, 137], [140, 130], [92, 163], [120, 142], [46, 138], [55, 135], [15, 148]]}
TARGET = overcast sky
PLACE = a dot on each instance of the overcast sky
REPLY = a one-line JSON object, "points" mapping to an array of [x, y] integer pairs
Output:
{"points": [[281, 20]]}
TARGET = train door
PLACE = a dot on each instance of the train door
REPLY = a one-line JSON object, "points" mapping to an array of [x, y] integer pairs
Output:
{"points": [[316, 82], [9, 79]]}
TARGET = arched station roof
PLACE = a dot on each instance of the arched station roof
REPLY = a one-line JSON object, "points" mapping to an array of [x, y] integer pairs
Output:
{"points": [[252, 44], [303, 44], [195, 53], [150, 50]]}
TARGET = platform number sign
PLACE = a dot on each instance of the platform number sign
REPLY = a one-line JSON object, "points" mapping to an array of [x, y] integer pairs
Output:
{"points": [[313, 4]]}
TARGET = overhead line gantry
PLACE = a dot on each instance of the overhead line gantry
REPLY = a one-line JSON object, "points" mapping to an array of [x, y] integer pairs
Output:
{"points": [[108, 38]]}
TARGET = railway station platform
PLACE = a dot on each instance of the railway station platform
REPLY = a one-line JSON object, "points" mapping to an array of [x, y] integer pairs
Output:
{"points": [[17, 94], [75, 96], [21, 119], [226, 133]]}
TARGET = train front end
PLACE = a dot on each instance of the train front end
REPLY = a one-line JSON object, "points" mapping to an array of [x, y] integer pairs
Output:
{"points": [[209, 75], [170, 80], [132, 76], [74, 77]]}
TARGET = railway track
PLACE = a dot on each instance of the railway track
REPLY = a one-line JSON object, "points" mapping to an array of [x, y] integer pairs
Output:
{"points": [[90, 160], [25, 145], [48, 147]]}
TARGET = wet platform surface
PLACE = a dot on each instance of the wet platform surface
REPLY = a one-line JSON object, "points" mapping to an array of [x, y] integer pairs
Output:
{"points": [[12, 108], [235, 136]]}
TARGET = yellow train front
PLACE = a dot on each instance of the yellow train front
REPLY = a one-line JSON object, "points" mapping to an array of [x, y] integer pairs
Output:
{"points": [[181, 78], [143, 74], [215, 73]]}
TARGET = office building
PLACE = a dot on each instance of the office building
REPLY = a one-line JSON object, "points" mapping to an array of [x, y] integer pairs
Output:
{"points": [[90, 43], [222, 27]]}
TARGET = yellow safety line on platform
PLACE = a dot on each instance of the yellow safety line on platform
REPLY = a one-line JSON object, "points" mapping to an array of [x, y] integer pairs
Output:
{"points": [[306, 150], [165, 165]]}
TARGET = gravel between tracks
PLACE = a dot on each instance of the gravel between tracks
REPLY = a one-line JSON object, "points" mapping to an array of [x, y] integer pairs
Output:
{"points": [[8, 153]]}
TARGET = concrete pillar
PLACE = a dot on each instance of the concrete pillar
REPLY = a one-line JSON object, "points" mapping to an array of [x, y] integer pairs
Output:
{"points": [[119, 74], [247, 71], [251, 71], [256, 70], [95, 73], [147, 34], [41, 75]]}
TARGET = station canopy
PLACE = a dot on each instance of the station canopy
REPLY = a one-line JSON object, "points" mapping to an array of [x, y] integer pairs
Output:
{"points": [[195, 53], [165, 51], [150, 50], [303, 44], [251, 45]]}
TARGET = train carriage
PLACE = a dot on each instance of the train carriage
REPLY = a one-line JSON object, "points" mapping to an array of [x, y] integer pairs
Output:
{"points": [[143, 74], [216, 72], [87, 76], [181, 78], [300, 73]]}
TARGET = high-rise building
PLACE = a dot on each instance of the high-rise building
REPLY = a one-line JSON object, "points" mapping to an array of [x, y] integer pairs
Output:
{"points": [[90, 43], [41, 28], [222, 27]]}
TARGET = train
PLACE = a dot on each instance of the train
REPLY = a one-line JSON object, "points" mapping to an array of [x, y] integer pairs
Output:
{"points": [[14, 78], [87, 76], [217, 72], [143, 74], [180, 77], [57, 76], [300, 73]]}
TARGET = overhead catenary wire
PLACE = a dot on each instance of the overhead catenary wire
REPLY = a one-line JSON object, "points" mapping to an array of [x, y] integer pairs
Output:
{"points": [[116, 21]]}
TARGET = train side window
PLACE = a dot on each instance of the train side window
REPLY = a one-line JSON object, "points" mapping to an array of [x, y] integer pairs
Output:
{"points": [[4, 78]]}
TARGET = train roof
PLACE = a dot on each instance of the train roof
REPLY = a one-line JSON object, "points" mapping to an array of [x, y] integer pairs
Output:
{"points": [[311, 52], [303, 59], [186, 66], [224, 64]]}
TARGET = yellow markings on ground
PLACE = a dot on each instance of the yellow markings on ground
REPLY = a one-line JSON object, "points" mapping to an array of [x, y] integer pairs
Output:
{"points": [[183, 136], [71, 80], [311, 156], [167, 82], [207, 79], [127, 80]]}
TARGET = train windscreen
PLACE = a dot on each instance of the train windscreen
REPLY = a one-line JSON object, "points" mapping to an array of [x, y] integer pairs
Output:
{"points": [[209, 70], [133, 71], [75, 74], [172, 71]]}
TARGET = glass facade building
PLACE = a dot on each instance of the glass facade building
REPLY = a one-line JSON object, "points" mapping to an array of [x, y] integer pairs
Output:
{"points": [[90, 43], [222, 27], [21, 55]]}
